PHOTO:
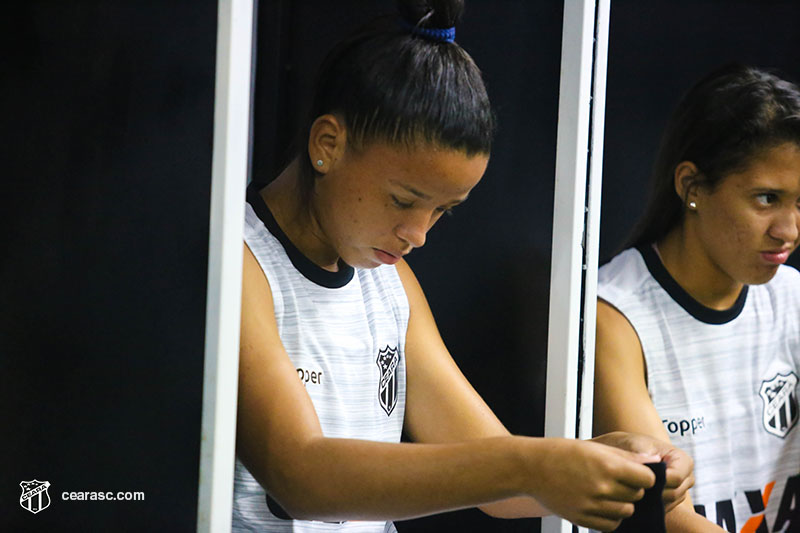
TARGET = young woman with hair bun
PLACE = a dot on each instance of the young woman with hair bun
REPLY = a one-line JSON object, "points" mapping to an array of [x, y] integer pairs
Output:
{"points": [[698, 324], [399, 133]]}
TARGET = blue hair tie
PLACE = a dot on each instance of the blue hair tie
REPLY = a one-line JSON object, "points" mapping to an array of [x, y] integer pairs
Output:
{"points": [[440, 35]]}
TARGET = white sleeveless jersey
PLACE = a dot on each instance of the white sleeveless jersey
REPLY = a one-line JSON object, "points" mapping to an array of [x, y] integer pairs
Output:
{"points": [[345, 333], [724, 384]]}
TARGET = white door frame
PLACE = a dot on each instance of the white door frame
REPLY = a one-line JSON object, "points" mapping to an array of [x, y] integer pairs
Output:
{"points": [[229, 171], [576, 221]]}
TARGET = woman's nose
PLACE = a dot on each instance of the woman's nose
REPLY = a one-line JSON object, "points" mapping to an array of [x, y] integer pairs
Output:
{"points": [[786, 227], [413, 229]]}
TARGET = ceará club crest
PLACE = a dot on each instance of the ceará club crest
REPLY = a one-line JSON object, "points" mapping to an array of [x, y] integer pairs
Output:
{"points": [[34, 497], [780, 411], [388, 360]]}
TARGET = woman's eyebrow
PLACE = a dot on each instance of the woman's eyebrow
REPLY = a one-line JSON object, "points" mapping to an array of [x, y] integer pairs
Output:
{"points": [[423, 196], [410, 189], [771, 190], [459, 201]]}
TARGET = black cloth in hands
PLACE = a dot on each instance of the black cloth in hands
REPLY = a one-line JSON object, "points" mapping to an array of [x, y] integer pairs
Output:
{"points": [[648, 513]]}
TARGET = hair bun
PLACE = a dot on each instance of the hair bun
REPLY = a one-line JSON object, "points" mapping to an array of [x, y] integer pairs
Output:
{"points": [[437, 14]]}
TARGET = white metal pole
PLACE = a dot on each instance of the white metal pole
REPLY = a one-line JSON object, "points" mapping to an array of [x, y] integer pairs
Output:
{"points": [[570, 232], [229, 170], [568, 218], [593, 216]]}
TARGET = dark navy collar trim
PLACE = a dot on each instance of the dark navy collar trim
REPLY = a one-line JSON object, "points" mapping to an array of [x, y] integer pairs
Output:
{"points": [[683, 298], [312, 271]]}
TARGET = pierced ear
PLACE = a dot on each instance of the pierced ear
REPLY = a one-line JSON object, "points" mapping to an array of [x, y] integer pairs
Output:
{"points": [[326, 142], [687, 181]]}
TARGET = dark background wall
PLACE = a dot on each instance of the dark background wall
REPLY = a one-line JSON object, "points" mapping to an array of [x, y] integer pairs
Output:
{"points": [[106, 132]]}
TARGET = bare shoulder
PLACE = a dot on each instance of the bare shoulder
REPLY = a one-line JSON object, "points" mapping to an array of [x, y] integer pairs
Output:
{"points": [[409, 280], [404, 271], [420, 315], [254, 282], [615, 331], [617, 342]]}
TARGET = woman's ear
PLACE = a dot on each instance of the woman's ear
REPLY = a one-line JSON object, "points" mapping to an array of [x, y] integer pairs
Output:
{"points": [[326, 142], [687, 181]]}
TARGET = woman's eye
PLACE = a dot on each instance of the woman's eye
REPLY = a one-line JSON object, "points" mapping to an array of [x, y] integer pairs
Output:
{"points": [[399, 203], [766, 198], [445, 211]]}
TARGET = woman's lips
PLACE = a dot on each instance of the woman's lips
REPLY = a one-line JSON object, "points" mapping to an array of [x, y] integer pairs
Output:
{"points": [[385, 257], [776, 258]]}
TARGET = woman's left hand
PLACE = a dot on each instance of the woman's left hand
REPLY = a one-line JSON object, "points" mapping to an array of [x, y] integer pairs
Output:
{"points": [[680, 467]]}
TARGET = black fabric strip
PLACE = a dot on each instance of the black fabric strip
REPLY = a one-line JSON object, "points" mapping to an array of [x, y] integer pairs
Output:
{"points": [[648, 513], [276, 509], [313, 272], [683, 298]]}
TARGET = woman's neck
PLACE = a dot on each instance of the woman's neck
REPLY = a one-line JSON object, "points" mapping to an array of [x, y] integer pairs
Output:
{"points": [[688, 264], [286, 200]]}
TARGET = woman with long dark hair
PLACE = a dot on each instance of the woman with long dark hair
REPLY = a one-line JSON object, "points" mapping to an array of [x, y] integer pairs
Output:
{"points": [[698, 324], [399, 133]]}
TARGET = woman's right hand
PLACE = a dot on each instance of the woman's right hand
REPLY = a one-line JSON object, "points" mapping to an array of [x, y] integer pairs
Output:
{"points": [[590, 484]]}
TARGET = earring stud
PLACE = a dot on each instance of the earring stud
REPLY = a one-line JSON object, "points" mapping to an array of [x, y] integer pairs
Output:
{"points": [[692, 205], [319, 162]]}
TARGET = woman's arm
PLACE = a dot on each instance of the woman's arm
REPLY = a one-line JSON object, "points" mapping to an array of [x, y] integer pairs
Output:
{"points": [[622, 403], [434, 379], [280, 441], [461, 414]]}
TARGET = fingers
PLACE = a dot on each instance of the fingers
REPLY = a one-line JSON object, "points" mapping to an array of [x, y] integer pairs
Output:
{"points": [[679, 479], [679, 468], [609, 481], [673, 497], [623, 483], [626, 494], [637, 455], [678, 490], [607, 517], [648, 448], [632, 472], [679, 476], [597, 523], [600, 524]]}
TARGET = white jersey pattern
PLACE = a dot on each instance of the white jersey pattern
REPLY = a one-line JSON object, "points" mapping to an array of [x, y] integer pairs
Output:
{"points": [[724, 384], [345, 333]]}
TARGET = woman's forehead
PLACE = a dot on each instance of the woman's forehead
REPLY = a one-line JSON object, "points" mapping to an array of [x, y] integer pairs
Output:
{"points": [[773, 167], [425, 170]]}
